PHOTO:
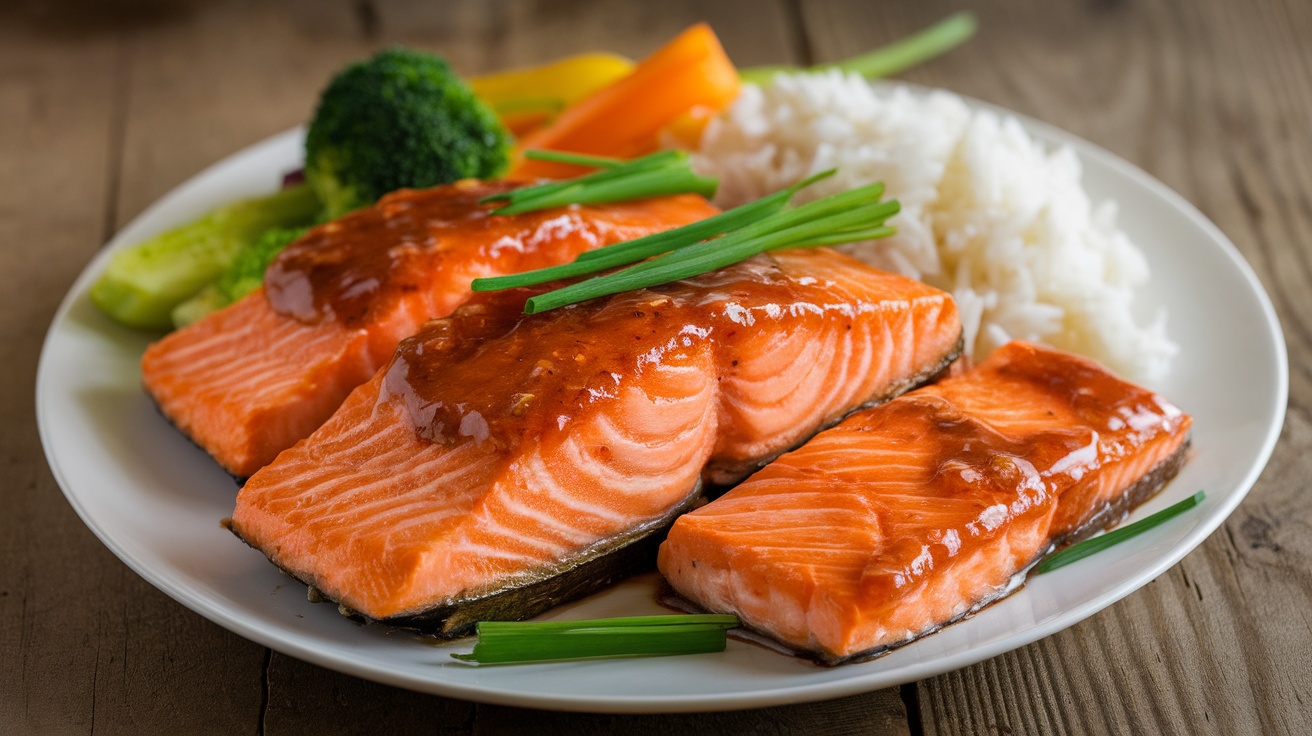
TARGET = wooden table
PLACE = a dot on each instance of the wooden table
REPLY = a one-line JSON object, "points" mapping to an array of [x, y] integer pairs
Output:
{"points": [[106, 106]]}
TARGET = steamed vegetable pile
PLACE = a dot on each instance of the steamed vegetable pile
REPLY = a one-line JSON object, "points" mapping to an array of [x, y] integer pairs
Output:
{"points": [[706, 245], [400, 119], [404, 119]]}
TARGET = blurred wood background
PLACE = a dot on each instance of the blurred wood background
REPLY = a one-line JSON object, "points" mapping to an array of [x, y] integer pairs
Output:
{"points": [[106, 106]]}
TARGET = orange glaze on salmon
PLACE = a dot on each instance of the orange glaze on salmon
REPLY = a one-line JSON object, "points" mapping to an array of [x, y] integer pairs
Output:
{"points": [[248, 381], [910, 515], [499, 449]]}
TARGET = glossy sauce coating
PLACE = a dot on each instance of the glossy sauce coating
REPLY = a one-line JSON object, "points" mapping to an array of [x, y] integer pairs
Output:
{"points": [[498, 448], [359, 265], [1006, 473], [910, 515], [342, 269], [250, 380], [491, 373]]}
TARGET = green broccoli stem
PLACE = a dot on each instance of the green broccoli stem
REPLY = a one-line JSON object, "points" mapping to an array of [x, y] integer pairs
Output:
{"points": [[144, 283], [896, 57]]}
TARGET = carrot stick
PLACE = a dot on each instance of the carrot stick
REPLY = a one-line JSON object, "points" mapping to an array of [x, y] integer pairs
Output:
{"points": [[625, 119]]}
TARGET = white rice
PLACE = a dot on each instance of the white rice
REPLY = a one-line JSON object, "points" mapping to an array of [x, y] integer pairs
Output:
{"points": [[988, 213]]}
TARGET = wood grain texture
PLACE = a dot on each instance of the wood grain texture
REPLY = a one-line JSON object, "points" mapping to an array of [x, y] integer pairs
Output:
{"points": [[106, 106], [214, 77], [86, 641], [1210, 97]]}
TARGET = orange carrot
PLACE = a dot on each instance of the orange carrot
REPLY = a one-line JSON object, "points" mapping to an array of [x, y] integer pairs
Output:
{"points": [[625, 119], [521, 123]]}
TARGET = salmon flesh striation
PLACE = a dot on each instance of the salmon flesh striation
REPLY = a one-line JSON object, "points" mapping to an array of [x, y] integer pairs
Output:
{"points": [[501, 463], [911, 515], [249, 380]]}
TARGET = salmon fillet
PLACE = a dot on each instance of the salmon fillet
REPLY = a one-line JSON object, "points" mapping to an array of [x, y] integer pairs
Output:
{"points": [[499, 452], [248, 381], [910, 515]]}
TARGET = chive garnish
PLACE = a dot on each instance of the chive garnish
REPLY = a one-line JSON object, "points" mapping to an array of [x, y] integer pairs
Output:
{"points": [[917, 48], [1099, 543], [638, 185], [510, 642], [632, 251], [715, 242], [610, 169], [655, 175], [578, 159], [839, 218]]}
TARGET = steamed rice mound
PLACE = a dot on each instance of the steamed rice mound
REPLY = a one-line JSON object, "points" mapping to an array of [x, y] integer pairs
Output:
{"points": [[988, 213]]}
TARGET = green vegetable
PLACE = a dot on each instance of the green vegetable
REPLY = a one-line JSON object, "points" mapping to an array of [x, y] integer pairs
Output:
{"points": [[694, 249], [578, 159], [144, 283], [244, 275], [655, 175], [205, 301], [632, 251], [813, 224], [936, 40], [1116, 536], [399, 119], [511, 642]]}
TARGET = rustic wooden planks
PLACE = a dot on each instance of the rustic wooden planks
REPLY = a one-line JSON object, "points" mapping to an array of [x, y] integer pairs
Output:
{"points": [[104, 107], [86, 641]]}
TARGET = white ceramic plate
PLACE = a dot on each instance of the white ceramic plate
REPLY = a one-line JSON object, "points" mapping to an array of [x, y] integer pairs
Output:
{"points": [[156, 500]]}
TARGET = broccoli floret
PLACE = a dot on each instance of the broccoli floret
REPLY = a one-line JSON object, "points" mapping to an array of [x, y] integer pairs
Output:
{"points": [[399, 119], [246, 274]]}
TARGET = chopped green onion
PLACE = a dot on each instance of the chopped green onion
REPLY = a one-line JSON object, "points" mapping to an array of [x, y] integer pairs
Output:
{"points": [[691, 250], [918, 48], [640, 185], [632, 251], [509, 642], [656, 160], [787, 229], [594, 186], [846, 236], [828, 221], [746, 214], [578, 159], [1099, 543]]}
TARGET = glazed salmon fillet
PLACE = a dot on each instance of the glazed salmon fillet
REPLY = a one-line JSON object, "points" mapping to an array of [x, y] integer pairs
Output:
{"points": [[913, 514], [248, 381], [503, 463]]}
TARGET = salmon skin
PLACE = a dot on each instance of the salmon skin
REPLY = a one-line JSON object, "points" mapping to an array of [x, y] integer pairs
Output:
{"points": [[908, 516], [248, 381], [502, 463]]}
